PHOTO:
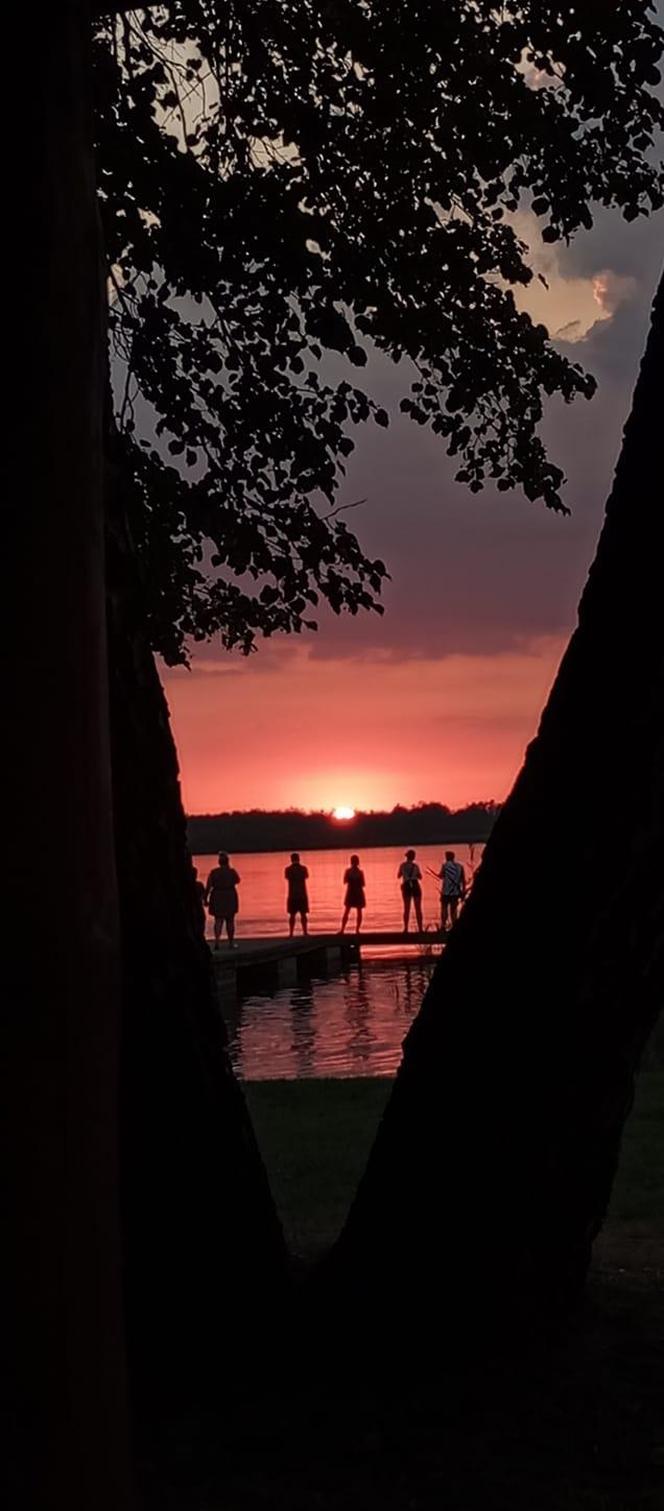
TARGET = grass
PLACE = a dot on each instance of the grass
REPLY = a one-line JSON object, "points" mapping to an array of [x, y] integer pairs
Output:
{"points": [[632, 1240], [315, 1137], [573, 1427], [639, 1189]]}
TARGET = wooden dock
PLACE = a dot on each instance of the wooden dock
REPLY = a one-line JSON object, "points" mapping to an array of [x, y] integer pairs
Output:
{"points": [[281, 961]]}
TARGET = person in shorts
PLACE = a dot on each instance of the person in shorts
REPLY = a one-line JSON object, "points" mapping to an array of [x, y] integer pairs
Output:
{"points": [[410, 876], [222, 899], [453, 890], [297, 901]]}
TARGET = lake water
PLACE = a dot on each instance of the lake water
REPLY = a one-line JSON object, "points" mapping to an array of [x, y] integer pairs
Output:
{"points": [[351, 1023]]}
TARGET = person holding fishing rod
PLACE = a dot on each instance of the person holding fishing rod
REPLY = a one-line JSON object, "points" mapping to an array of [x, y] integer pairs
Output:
{"points": [[453, 890]]}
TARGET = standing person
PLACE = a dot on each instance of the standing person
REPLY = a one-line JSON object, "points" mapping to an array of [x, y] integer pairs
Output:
{"points": [[297, 901], [355, 894], [200, 895], [222, 899], [410, 876], [453, 890]]}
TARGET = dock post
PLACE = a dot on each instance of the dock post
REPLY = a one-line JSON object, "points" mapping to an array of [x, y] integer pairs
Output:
{"points": [[287, 971], [349, 950]]}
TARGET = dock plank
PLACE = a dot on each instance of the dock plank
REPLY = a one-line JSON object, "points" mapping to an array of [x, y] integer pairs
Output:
{"points": [[261, 950]]}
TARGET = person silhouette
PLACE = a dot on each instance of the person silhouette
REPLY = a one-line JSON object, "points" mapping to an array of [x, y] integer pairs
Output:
{"points": [[297, 900], [222, 899], [199, 892], [453, 891], [355, 894], [410, 876]]}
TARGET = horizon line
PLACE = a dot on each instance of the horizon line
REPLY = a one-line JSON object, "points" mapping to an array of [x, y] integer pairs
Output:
{"points": [[485, 803]]}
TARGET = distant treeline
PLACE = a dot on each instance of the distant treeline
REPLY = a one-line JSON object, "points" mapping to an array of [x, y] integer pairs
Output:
{"points": [[426, 824]]}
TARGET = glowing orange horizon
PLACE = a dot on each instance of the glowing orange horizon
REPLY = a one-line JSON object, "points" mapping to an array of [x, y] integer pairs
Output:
{"points": [[290, 731]]}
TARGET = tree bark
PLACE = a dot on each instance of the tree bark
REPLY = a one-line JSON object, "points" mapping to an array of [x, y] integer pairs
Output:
{"points": [[493, 1165], [63, 1333], [205, 1259]]}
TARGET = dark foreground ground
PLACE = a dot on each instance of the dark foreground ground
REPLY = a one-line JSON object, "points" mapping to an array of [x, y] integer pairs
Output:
{"points": [[576, 1425]]}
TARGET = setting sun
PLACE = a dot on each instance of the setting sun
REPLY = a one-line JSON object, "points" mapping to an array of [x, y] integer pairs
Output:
{"points": [[342, 812]]}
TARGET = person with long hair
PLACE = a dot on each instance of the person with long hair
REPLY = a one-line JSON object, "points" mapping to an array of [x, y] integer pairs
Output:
{"points": [[355, 897]]}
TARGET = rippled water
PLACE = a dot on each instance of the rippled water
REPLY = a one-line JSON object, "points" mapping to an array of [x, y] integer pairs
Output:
{"points": [[351, 1023]]}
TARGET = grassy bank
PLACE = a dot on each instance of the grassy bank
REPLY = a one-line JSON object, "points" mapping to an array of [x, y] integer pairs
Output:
{"points": [[315, 1137], [573, 1427]]}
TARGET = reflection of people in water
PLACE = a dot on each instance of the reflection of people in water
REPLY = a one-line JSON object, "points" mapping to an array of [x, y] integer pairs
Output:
{"points": [[297, 901], [303, 1026], [355, 897], [412, 980], [453, 890], [410, 876], [222, 899], [360, 1040]]}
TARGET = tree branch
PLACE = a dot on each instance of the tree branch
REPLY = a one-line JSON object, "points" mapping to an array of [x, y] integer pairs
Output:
{"points": [[342, 508]]}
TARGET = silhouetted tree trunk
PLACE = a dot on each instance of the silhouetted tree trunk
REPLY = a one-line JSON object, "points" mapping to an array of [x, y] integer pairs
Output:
{"points": [[494, 1162], [62, 1333], [204, 1251]]}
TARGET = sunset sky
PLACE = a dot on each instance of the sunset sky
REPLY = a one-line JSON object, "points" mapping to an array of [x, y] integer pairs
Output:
{"points": [[436, 700]]}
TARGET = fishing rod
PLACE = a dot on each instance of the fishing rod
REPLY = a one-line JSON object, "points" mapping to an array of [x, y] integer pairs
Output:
{"points": [[469, 882]]}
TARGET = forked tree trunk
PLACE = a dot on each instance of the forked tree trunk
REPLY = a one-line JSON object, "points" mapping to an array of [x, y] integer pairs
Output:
{"points": [[62, 1332], [493, 1165], [205, 1261]]}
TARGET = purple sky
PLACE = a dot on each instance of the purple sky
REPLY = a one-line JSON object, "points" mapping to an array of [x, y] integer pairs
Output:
{"points": [[437, 698]]}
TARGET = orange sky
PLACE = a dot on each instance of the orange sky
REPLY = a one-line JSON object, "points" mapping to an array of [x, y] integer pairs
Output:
{"points": [[286, 730]]}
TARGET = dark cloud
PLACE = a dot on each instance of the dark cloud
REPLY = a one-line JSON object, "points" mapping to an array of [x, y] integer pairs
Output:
{"points": [[489, 573]]}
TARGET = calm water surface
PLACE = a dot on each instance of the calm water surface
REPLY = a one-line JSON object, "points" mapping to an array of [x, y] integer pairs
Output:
{"points": [[348, 1024]]}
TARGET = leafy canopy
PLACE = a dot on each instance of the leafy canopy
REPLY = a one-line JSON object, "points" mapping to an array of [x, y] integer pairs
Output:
{"points": [[286, 183]]}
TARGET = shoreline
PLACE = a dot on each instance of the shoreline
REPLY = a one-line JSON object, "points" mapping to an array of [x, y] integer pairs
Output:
{"points": [[343, 844]]}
